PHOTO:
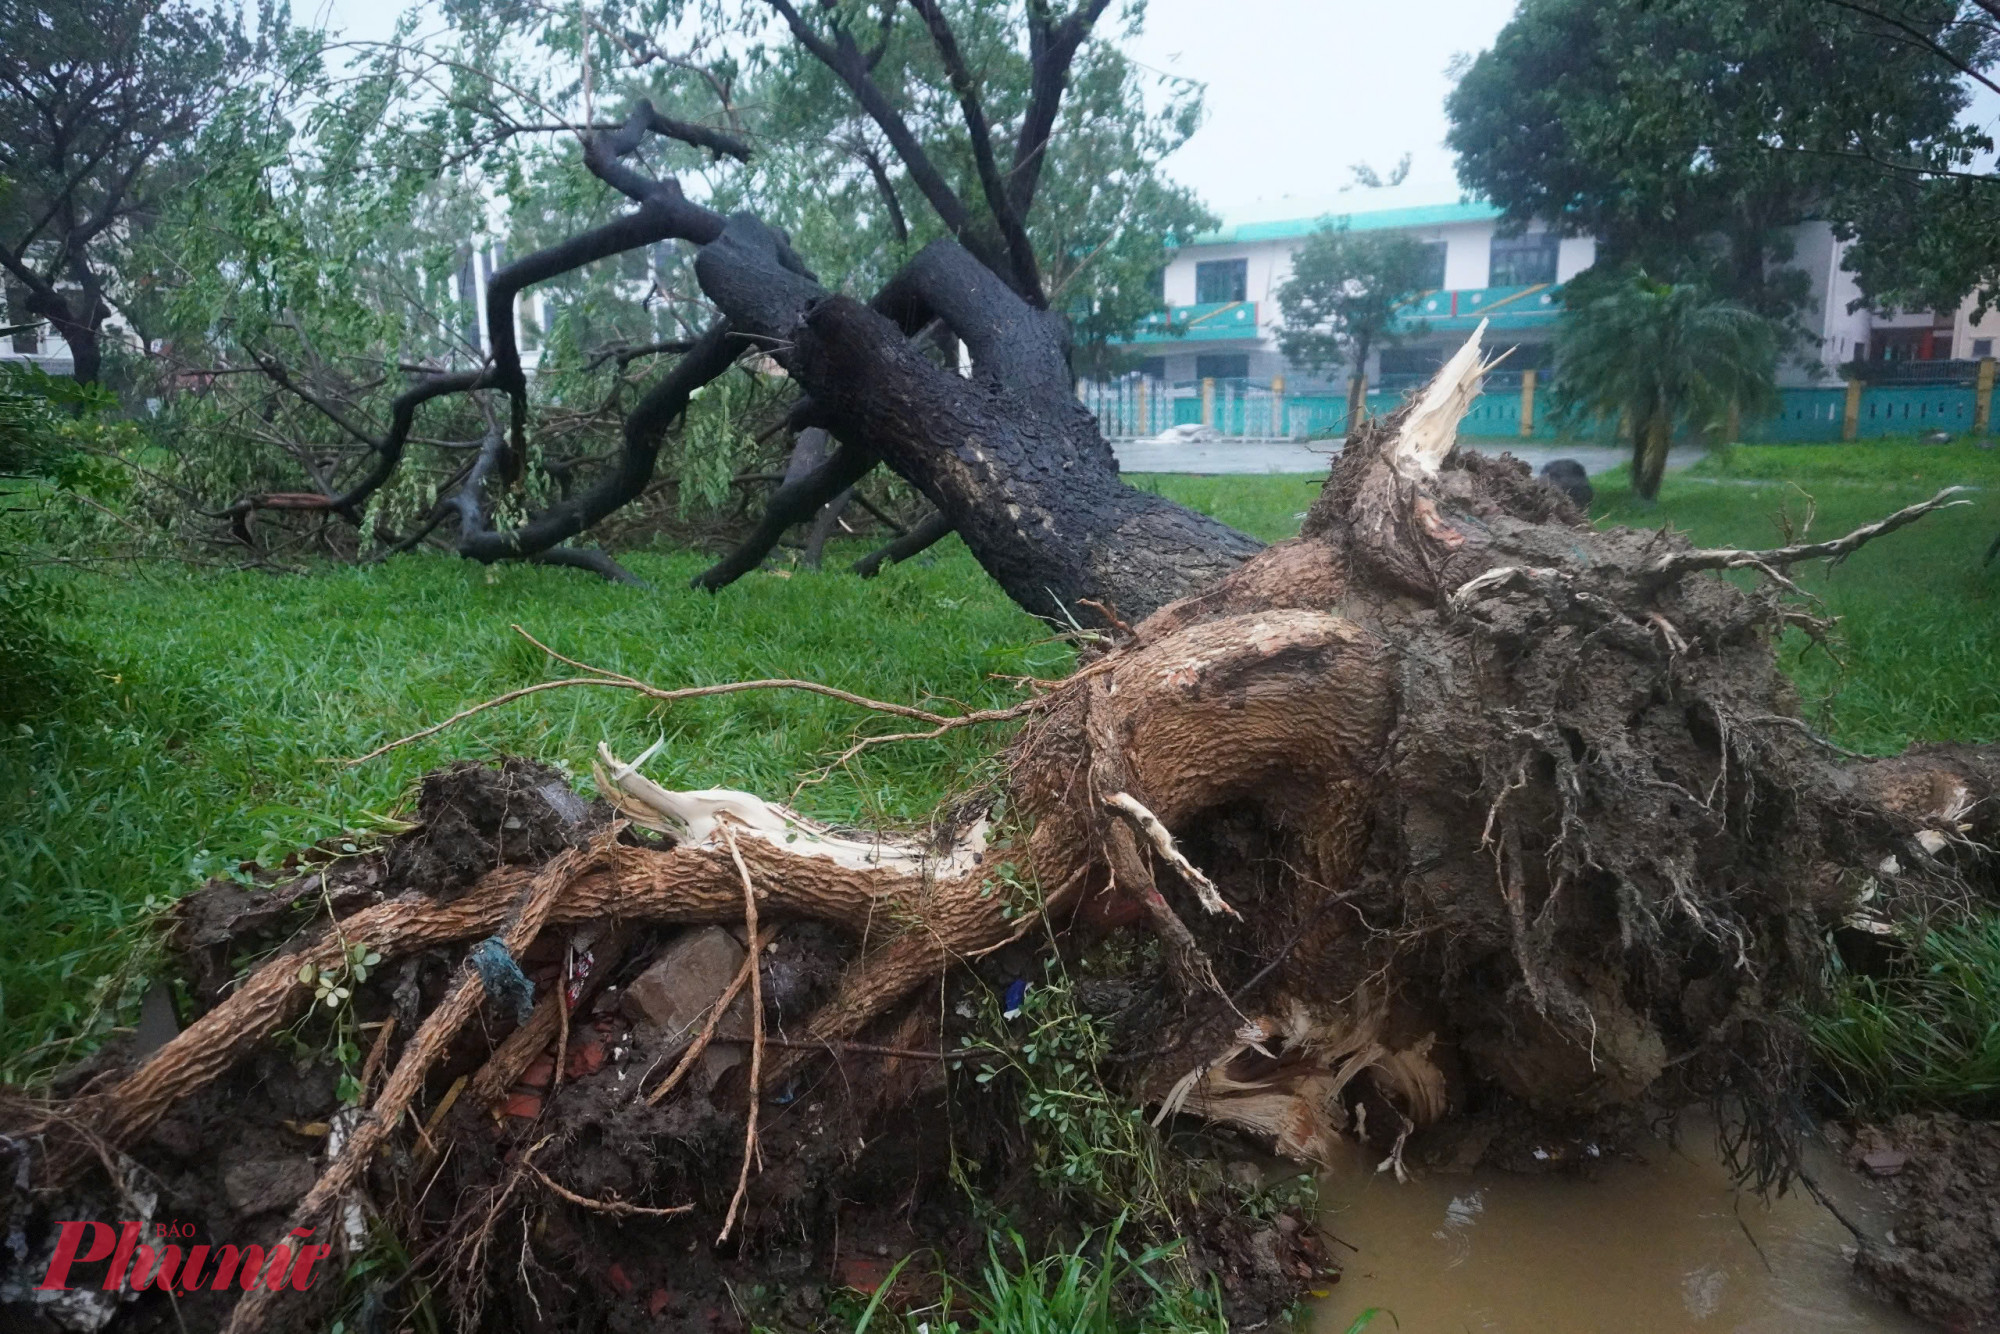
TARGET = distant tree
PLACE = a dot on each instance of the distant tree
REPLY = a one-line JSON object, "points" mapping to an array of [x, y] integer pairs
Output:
{"points": [[1687, 135], [1664, 357], [1343, 297], [95, 97], [1922, 212]]}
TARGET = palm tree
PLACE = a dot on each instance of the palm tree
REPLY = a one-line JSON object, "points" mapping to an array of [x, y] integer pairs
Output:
{"points": [[1662, 356]]}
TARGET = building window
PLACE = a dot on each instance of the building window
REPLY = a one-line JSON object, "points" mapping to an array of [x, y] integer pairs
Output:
{"points": [[1433, 277], [1221, 280], [1413, 361], [1225, 366], [1154, 368], [1521, 260], [1982, 348]]}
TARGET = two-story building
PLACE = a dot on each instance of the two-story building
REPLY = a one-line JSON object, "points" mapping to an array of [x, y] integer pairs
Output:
{"points": [[1223, 319]]}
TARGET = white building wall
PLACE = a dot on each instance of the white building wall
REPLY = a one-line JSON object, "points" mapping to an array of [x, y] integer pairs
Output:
{"points": [[1574, 254], [1967, 333]]}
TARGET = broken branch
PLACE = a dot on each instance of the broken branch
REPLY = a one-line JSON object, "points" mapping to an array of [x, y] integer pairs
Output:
{"points": [[1668, 568], [1163, 843]]}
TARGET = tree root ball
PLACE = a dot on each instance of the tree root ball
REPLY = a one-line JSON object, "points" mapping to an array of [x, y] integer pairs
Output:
{"points": [[1453, 803]]}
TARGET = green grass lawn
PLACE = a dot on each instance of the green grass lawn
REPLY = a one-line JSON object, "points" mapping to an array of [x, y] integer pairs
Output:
{"points": [[219, 706], [222, 705], [1919, 614]]}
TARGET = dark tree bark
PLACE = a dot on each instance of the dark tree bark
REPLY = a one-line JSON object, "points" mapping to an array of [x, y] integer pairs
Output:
{"points": [[824, 524], [931, 530], [1009, 457]]}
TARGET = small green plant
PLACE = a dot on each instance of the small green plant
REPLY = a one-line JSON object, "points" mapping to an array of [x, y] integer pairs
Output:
{"points": [[333, 986], [1089, 1145], [1078, 1292], [1927, 1035], [1098, 1286]]}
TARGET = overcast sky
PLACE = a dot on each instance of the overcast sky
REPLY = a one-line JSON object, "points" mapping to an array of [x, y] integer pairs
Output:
{"points": [[1297, 89]]}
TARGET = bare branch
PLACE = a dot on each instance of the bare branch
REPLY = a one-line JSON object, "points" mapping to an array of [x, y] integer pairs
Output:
{"points": [[931, 530], [1026, 274], [1918, 37], [1668, 568]]}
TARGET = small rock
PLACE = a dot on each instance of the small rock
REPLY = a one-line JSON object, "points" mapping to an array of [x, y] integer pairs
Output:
{"points": [[619, 1279], [657, 1302], [1884, 1162], [1248, 1176], [1263, 1248], [1568, 477], [272, 1184], [675, 995]]}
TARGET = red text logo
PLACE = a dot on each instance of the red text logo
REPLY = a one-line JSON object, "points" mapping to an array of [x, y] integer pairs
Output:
{"points": [[161, 1267]]}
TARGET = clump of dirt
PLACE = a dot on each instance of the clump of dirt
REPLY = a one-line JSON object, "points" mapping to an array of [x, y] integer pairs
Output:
{"points": [[476, 816], [1942, 1258], [569, 1200]]}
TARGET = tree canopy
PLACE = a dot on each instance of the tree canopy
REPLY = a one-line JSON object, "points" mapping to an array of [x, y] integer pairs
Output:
{"points": [[1345, 290], [1685, 134], [98, 100]]}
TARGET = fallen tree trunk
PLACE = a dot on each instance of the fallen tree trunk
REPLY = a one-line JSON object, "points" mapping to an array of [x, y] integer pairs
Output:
{"points": [[1452, 802]]}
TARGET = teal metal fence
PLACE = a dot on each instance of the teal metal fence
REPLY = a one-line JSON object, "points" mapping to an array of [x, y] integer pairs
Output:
{"points": [[1803, 415], [1895, 410], [1125, 410]]}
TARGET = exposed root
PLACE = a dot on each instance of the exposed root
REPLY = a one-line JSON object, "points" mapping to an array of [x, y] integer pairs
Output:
{"points": [[439, 1029], [614, 1208], [604, 677], [756, 1037], [1680, 563], [1156, 833]]}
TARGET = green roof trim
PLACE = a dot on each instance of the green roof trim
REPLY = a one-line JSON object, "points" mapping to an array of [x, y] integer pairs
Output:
{"points": [[1430, 215]]}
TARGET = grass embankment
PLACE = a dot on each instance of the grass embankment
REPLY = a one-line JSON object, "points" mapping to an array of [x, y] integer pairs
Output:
{"points": [[219, 705]]}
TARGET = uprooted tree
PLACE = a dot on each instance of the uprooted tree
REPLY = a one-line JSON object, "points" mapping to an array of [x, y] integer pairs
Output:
{"points": [[1452, 800], [1041, 164]]}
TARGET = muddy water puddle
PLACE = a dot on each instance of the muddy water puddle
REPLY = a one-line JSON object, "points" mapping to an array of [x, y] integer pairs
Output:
{"points": [[1667, 1244]]}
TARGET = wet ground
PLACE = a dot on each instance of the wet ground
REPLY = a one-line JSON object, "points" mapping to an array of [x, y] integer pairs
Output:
{"points": [[1649, 1247], [1287, 456]]}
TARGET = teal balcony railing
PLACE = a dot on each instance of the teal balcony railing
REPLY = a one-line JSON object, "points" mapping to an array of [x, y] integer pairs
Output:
{"points": [[1204, 322], [1506, 309]]}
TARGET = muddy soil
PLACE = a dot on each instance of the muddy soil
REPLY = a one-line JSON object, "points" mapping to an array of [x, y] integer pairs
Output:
{"points": [[1942, 1258], [533, 1213]]}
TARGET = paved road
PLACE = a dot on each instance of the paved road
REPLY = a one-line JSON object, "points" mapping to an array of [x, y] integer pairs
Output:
{"points": [[1244, 456]]}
